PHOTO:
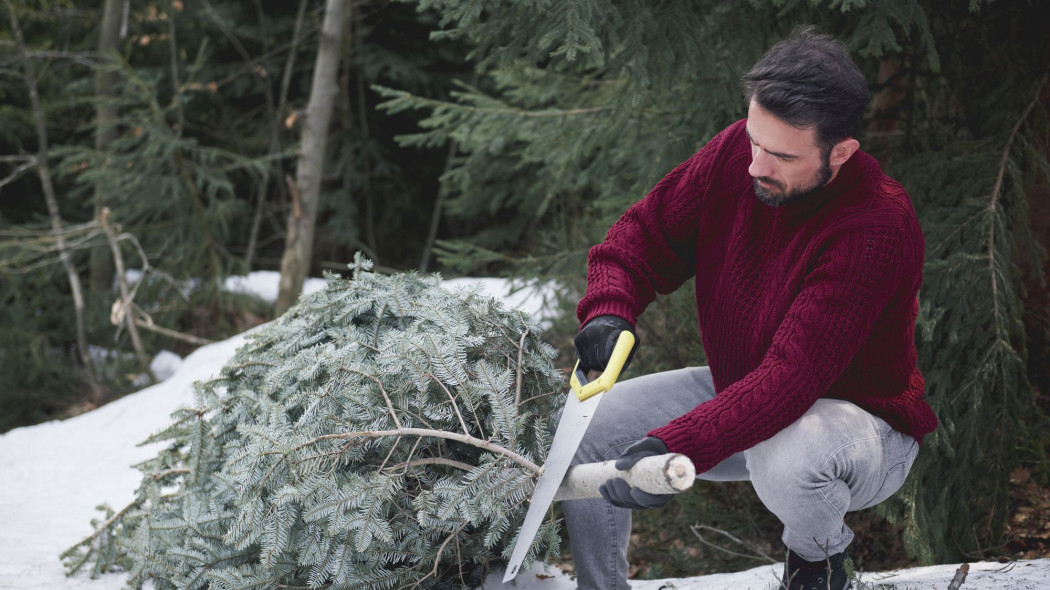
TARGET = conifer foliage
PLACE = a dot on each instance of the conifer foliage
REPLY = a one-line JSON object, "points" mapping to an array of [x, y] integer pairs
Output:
{"points": [[383, 433]]}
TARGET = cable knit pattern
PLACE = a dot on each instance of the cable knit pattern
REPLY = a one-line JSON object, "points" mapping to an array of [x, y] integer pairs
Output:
{"points": [[816, 298]]}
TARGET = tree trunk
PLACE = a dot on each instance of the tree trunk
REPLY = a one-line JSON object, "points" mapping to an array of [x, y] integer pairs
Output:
{"points": [[44, 171], [659, 474], [366, 184], [275, 138], [106, 79], [302, 219]]}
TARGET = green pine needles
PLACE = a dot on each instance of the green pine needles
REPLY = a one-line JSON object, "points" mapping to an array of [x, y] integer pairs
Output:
{"points": [[383, 433]]}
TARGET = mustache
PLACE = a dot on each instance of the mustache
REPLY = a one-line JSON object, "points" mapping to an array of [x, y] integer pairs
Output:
{"points": [[769, 181]]}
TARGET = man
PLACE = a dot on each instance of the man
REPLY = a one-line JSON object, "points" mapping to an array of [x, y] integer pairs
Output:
{"points": [[807, 261]]}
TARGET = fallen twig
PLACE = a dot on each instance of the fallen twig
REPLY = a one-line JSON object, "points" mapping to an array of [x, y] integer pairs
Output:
{"points": [[696, 531], [960, 577]]}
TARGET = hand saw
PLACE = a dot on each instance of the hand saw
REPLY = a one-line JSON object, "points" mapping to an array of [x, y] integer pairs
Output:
{"points": [[579, 408]]}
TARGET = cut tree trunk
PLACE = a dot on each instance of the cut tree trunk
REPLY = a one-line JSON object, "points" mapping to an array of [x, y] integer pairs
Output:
{"points": [[659, 474]]}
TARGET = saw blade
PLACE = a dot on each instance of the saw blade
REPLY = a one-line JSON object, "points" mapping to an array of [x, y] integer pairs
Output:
{"points": [[571, 428], [579, 409]]}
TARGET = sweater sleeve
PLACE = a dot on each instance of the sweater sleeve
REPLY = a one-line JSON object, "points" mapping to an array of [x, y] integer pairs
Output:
{"points": [[651, 248], [839, 302]]}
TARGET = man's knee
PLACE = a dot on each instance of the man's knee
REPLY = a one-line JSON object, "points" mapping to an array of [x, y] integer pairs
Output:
{"points": [[781, 471], [835, 450]]}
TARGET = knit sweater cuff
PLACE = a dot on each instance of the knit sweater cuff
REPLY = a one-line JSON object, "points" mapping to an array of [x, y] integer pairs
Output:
{"points": [[679, 440], [616, 308]]}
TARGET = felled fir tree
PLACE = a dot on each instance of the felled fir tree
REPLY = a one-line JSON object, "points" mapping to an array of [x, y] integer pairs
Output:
{"points": [[383, 433]]}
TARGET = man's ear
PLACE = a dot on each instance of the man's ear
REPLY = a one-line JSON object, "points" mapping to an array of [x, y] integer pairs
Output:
{"points": [[842, 151]]}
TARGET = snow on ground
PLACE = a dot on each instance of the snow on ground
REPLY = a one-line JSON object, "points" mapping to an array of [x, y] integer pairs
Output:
{"points": [[53, 475]]}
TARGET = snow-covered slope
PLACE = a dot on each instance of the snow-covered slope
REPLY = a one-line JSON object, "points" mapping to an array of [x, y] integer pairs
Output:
{"points": [[53, 475]]}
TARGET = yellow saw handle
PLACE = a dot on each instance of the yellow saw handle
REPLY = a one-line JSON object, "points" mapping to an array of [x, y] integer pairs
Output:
{"points": [[584, 388]]}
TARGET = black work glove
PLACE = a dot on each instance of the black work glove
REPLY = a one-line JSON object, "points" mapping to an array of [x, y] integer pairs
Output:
{"points": [[596, 340], [620, 493]]}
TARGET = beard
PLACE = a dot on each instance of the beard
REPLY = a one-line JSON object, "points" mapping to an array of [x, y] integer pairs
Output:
{"points": [[780, 194]]}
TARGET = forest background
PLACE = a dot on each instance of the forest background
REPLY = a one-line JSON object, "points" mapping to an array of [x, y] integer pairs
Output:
{"points": [[180, 142]]}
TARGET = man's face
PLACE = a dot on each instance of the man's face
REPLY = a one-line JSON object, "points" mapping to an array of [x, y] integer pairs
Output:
{"points": [[786, 162]]}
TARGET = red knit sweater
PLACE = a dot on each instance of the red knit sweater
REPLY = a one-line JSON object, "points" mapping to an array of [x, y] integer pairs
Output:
{"points": [[815, 298]]}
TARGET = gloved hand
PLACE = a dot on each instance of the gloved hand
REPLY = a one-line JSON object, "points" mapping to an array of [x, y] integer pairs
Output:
{"points": [[620, 493], [596, 340]]}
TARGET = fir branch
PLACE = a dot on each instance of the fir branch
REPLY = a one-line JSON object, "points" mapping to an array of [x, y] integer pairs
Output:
{"points": [[441, 549], [996, 191], [389, 454], [426, 432], [162, 474], [540, 396], [402, 100], [455, 406], [103, 528], [386, 396], [434, 461]]}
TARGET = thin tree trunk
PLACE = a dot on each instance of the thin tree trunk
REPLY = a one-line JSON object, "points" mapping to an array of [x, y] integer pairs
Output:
{"points": [[439, 203], [351, 136], [106, 78], [212, 268], [126, 302], [275, 137], [271, 115], [370, 215], [435, 217], [302, 220], [44, 171]]}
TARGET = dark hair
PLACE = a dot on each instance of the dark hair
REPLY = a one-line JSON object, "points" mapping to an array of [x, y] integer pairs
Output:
{"points": [[809, 80]]}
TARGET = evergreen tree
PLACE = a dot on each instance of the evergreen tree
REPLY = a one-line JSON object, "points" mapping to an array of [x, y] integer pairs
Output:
{"points": [[187, 131], [383, 433]]}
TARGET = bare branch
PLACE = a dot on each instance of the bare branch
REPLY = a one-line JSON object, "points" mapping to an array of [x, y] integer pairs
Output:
{"points": [[435, 461], [16, 174], [426, 432], [437, 557], [146, 323], [101, 529], [696, 531], [125, 300], [455, 406], [84, 58]]}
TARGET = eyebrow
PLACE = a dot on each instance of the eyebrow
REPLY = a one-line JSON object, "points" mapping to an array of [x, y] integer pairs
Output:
{"points": [[781, 155]]}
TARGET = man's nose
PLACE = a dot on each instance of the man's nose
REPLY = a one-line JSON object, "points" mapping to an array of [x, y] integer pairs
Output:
{"points": [[760, 164]]}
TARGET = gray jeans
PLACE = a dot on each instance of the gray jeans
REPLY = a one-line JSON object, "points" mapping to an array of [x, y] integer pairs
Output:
{"points": [[834, 459]]}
